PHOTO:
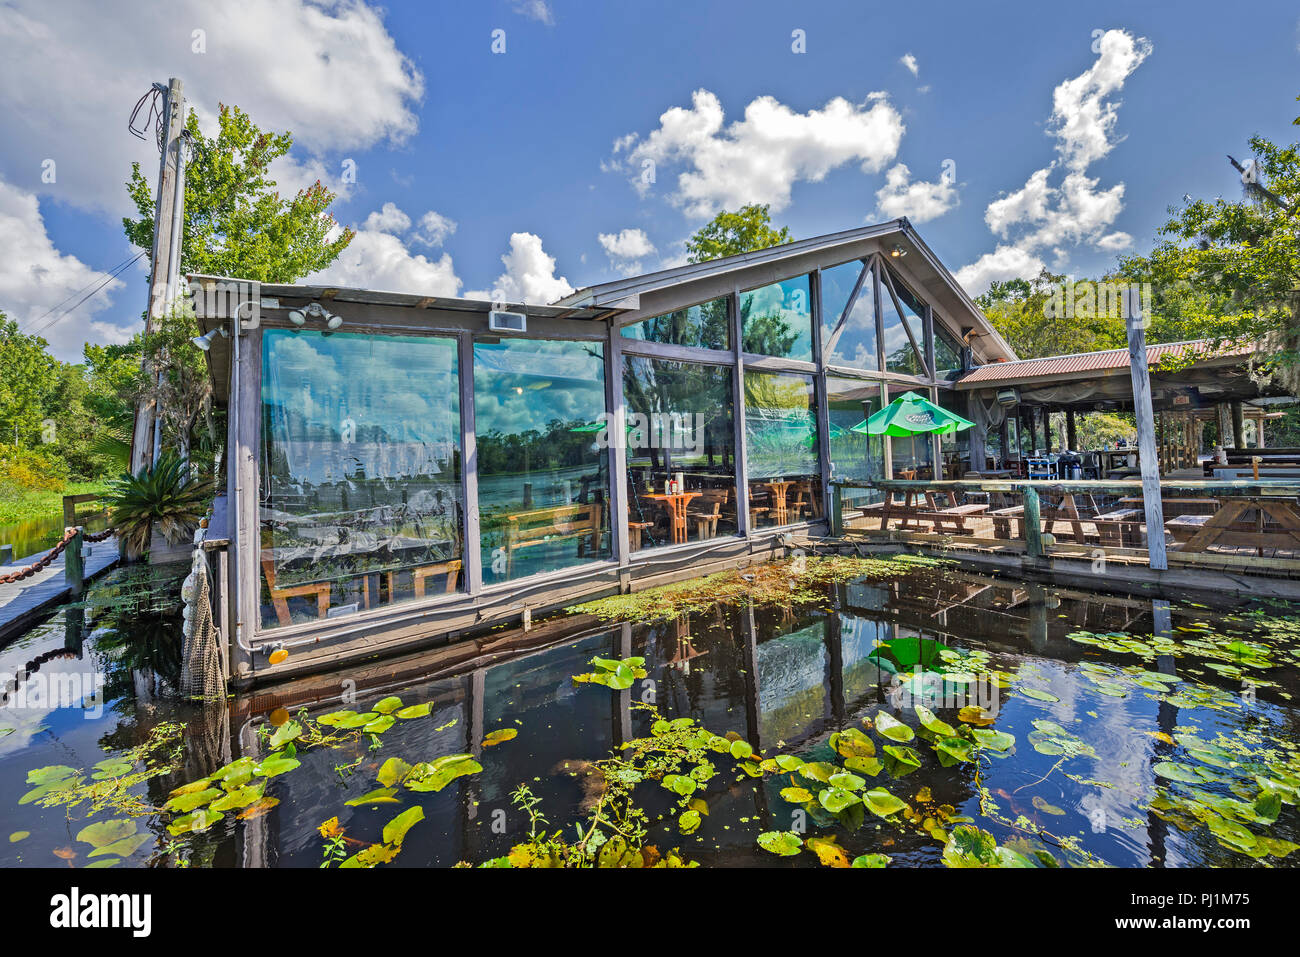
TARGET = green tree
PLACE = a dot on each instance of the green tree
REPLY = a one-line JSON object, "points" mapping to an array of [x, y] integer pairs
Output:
{"points": [[1230, 270], [236, 224], [728, 234], [1019, 310], [28, 380]]}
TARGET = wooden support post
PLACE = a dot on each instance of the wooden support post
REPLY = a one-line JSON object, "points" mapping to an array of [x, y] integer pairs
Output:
{"points": [[1146, 428], [74, 564], [1033, 522], [1238, 426], [1071, 433], [836, 511]]}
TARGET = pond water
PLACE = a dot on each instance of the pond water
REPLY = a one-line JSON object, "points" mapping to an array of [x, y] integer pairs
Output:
{"points": [[1124, 732], [41, 534]]}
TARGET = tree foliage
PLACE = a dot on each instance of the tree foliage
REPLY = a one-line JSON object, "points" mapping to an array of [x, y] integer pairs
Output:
{"points": [[728, 234]]}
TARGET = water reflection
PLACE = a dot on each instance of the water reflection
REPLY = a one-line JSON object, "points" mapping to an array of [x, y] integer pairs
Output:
{"points": [[780, 678]]}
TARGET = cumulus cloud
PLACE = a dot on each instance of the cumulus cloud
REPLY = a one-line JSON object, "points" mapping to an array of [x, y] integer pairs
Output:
{"points": [[434, 229], [529, 275], [38, 283], [1074, 210], [626, 249], [1005, 262], [759, 158], [919, 201], [909, 61], [379, 258], [330, 72]]}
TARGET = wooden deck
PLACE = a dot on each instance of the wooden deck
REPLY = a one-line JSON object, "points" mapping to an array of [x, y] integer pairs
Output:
{"points": [[22, 602]]}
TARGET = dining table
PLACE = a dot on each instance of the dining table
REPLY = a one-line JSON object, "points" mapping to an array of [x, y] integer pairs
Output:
{"points": [[674, 503], [779, 490]]}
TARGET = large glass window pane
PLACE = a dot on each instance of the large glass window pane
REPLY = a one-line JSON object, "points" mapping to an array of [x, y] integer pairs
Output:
{"points": [[681, 462], [361, 494], [947, 353], [900, 356], [955, 446], [776, 320], [849, 339], [781, 448], [539, 418], [855, 454], [706, 326]]}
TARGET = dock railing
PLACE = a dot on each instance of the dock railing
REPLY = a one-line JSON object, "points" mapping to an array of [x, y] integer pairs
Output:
{"points": [[1245, 526]]}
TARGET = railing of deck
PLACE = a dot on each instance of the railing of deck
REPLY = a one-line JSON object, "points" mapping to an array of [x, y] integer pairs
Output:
{"points": [[1240, 526]]}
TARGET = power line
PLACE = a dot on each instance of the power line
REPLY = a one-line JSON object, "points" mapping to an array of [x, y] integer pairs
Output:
{"points": [[63, 315], [77, 292]]}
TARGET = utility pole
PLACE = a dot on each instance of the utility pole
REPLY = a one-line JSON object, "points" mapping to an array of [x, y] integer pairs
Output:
{"points": [[164, 271]]}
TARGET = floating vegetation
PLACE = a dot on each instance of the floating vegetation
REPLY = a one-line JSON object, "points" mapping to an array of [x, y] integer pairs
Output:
{"points": [[799, 581], [618, 675]]}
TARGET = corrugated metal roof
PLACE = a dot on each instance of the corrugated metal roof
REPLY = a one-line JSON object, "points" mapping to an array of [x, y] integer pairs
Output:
{"points": [[1052, 366]]}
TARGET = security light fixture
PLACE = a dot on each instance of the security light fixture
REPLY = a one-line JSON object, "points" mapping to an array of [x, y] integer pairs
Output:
{"points": [[315, 310], [204, 341], [898, 252]]}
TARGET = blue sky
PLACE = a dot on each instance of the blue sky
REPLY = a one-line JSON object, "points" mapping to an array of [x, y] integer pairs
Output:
{"points": [[1080, 123]]}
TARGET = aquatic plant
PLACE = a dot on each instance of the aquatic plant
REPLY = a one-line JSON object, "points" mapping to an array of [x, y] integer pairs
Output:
{"points": [[797, 581]]}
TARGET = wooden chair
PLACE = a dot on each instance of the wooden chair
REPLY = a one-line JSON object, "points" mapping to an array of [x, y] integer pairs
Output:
{"points": [[450, 569], [542, 525], [634, 530], [709, 511], [280, 595]]}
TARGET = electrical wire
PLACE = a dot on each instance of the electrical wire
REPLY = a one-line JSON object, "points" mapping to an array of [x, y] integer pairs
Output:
{"points": [[34, 331], [75, 292]]}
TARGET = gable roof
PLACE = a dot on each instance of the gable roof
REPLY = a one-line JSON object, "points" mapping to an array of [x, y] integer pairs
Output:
{"points": [[624, 292]]}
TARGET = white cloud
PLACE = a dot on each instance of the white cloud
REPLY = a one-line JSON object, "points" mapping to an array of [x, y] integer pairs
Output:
{"points": [[388, 219], [909, 61], [1084, 119], [529, 276], [330, 72], [759, 159], [379, 258], [1005, 262], [35, 276], [434, 229], [1040, 216], [625, 249], [538, 10], [919, 201]]}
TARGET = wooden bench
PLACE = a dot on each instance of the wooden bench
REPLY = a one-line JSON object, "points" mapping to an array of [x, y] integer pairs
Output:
{"points": [[1176, 507], [955, 516], [1121, 528], [419, 575], [281, 593], [542, 525], [1004, 521], [708, 510]]}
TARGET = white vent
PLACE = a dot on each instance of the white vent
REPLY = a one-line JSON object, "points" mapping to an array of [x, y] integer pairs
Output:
{"points": [[1008, 397], [507, 321]]}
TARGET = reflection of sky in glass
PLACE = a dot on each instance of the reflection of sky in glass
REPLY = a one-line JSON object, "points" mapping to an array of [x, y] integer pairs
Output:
{"points": [[791, 301], [336, 403], [854, 342], [705, 325], [523, 384], [899, 354]]}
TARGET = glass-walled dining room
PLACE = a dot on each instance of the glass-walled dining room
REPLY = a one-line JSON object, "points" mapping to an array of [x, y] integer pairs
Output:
{"points": [[369, 498]]}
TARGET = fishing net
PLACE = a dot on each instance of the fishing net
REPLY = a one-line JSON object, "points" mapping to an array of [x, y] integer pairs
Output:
{"points": [[203, 672]]}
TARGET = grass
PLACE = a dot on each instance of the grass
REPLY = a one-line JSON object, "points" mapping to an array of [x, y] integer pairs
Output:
{"points": [[35, 504]]}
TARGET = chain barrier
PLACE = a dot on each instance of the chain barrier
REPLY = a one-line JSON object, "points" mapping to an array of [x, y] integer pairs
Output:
{"points": [[10, 577]]}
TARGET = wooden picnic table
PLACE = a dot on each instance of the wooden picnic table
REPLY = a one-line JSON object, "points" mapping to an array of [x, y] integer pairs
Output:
{"points": [[675, 506], [1229, 526]]}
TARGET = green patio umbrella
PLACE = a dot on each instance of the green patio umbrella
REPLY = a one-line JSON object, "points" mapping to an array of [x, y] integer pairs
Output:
{"points": [[910, 415]]}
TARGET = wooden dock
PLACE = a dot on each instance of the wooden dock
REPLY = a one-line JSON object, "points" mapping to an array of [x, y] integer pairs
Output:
{"points": [[23, 602]]}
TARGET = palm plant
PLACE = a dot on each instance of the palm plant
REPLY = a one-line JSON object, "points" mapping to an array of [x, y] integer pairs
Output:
{"points": [[165, 496]]}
